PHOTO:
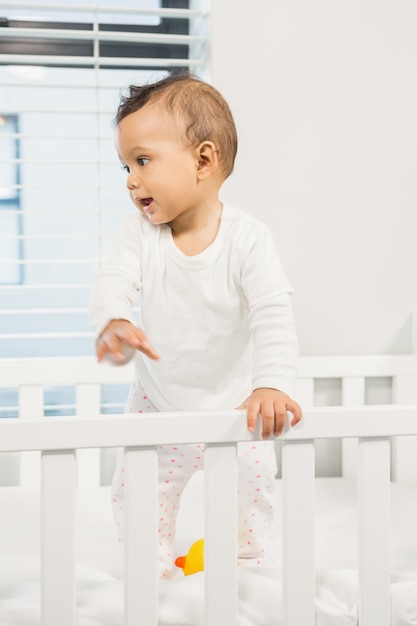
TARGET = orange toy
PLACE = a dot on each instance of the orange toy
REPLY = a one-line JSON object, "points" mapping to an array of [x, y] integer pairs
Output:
{"points": [[193, 561]]}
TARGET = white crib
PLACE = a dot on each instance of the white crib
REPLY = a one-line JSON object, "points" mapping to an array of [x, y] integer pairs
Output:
{"points": [[377, 444]]}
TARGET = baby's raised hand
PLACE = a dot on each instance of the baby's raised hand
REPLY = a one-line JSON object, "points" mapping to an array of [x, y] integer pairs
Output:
{"points": [[272, 405], [119, 340]]}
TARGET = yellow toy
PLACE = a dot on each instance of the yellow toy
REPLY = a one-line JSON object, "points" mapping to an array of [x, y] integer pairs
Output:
{"points": [[193, 561]]}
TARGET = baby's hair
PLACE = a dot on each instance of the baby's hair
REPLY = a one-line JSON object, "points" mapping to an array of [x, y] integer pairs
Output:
{"points": [[199, 106]]}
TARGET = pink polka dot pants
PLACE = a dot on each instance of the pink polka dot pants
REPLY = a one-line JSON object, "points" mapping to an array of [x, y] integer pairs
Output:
{"points": [[256, 491]]}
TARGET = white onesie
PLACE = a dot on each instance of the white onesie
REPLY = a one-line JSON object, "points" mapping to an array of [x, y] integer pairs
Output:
{"points": [[222, 324]]}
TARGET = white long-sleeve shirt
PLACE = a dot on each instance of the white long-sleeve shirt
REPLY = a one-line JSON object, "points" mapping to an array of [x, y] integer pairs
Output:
{"points": [[221, 320]]}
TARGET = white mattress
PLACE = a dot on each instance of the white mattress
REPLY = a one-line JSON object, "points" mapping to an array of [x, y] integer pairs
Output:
{"points": [[99, 586]]}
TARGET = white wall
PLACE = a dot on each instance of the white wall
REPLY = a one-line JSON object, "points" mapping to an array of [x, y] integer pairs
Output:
{"points": [[324, 95]]}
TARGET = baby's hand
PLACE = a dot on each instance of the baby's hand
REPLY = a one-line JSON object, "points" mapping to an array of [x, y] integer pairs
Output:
{"points": [[273, 406], [119, 340]]}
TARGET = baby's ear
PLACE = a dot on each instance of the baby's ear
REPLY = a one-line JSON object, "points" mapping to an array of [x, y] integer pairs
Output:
{"points": [[207, 159]]}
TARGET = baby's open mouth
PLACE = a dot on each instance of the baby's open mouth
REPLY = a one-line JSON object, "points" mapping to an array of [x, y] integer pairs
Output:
{"points": [[146, 203]]}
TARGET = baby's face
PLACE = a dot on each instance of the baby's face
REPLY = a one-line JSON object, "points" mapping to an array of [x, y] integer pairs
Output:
{"points": [[161, 167]]}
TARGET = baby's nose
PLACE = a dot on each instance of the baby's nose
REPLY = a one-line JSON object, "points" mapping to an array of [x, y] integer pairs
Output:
{"points": [[133, 182]]}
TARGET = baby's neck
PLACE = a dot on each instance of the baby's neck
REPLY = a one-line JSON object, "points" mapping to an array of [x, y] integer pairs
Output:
{"points": [[194, 238]]}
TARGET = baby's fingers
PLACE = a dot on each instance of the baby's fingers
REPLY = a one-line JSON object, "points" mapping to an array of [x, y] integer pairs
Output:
{"points": [[109, 347], [138, 340], [101, 349], [253, 409], [280, 418], [296, 410]]}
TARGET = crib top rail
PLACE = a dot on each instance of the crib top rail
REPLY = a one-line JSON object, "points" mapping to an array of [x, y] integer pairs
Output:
{"points": [[75, 370], [151, 429], [61, 371], [340, 366]]}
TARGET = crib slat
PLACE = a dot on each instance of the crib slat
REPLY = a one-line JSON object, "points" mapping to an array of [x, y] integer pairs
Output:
{"points": [[88, 398], [305, 392], [373, 535], [220, 523], [404, 468], [140, 537], [57, 539], [30, 407], [353, 394], [298, 533]]}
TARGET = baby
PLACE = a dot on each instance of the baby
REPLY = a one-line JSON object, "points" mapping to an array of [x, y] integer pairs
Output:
{"points": [[216, 328]]}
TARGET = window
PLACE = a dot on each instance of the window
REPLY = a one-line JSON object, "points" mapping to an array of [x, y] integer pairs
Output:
{"points": [[62, 191], [61, 188], [10, 217]]}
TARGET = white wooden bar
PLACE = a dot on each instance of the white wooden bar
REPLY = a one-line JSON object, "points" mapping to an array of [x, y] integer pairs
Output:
{"points": [[73, 370], [57, 539], [353, 394], [30, 407], [67, 433], [220, 530], [404, 468], [61, 371], [88, 402], [373, 532], [88, 399], [305, 392], [340, 366], [140, 536], [298, 576]]}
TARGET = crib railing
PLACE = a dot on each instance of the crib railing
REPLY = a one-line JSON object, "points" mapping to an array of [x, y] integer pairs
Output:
{"points": [[355, 375], [59, 438], [31, 377], [373, 427], [71, 449], [351, 375]]}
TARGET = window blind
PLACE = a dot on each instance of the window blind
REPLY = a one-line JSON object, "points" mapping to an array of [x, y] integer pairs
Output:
{"points": [[62, 190]]}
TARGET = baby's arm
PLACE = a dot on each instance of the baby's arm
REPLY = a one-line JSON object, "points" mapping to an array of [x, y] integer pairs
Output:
{"points": [[118, 341], [275, 342], [113, 295], [274, 373]]}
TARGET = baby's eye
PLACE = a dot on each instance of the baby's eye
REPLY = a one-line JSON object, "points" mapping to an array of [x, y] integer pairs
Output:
{"points": [[126, 168], [142, 161]]}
